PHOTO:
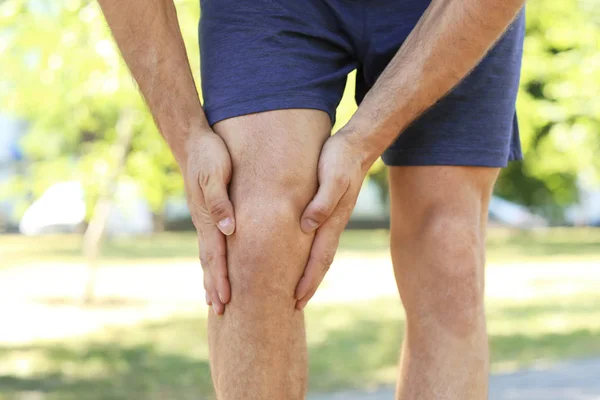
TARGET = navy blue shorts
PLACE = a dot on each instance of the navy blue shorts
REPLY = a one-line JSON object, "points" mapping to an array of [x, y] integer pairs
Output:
{"points": [[261, 55]]}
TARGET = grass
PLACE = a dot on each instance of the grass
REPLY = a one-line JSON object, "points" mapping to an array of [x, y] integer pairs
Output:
{"points": [[503, 246], [351, 346]]}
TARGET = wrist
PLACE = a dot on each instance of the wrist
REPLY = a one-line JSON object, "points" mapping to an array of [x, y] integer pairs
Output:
{"points": [[184, 143], [368, 148]]}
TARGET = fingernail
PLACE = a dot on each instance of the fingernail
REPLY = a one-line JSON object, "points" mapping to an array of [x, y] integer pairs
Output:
{"points": [[310, 225], [221, 298], [226, 226], [215, 310]]}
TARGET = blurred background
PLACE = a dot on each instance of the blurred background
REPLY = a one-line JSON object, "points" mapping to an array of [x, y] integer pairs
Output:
{"points": [[100, 285]]}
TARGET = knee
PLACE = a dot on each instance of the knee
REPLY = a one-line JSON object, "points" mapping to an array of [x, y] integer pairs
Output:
{"points": [[268, 251], [448, 282], [454, 241]]}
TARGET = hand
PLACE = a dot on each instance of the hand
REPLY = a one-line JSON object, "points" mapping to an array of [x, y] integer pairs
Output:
{"points": [[207, 172], [341, 174]]}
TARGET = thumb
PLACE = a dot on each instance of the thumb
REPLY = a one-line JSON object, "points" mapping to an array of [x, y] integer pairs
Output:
{"points": [[322, 205], [218, 205]]}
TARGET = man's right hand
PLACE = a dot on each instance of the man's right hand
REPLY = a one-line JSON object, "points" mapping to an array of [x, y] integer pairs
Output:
{"points": [[143, 30], [207, 172]]}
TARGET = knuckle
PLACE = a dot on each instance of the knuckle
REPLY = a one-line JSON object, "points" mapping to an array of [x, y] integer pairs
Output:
{"points": [[195, 221], [319, 212], [210, 259], [204, 178], [340, 180], [203, 261], [218, 208]]}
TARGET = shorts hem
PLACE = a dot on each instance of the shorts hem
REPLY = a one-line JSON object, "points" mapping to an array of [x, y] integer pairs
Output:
{"points": [[271, 103], [465, 157]]}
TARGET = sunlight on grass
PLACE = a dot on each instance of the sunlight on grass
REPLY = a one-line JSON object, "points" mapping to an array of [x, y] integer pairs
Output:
{"points": [[351, 346], [503, 245]]}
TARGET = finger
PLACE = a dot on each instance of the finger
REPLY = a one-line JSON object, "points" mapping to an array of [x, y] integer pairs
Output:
{"points": [[323, 204], [217, 305], [218, 204], [215, 262], [209, 287], [321, 257], [212, 296]]}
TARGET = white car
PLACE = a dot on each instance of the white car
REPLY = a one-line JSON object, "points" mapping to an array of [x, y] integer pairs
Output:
{"points": [[62, 208]]}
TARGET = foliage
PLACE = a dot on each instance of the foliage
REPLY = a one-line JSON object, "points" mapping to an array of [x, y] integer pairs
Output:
{"points": [[558, 104], [558, 107], [63, 74]]}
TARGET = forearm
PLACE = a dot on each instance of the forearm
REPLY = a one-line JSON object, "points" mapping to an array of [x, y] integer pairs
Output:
{"points": [[449, 40], [148, 35]]}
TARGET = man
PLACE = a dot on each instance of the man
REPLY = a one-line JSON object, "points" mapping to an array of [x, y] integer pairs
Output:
{"points": [[261, 168]]}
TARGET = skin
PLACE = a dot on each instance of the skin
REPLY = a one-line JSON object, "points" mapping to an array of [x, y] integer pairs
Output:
{"points": [[258, 348], [438, 223]]}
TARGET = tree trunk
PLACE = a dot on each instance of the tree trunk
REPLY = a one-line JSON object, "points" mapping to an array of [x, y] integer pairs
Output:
{"points": [[96, 230], [158, 222]]}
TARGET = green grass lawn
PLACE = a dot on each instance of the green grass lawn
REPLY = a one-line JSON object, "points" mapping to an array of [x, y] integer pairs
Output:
{"points": [[503, 246], [351, 346]]}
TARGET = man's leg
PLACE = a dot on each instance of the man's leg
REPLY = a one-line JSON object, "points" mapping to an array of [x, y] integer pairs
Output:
{"points": [[258, 347], [439, 217]]}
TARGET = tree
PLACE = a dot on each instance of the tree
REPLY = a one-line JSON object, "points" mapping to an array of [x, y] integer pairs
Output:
{"points": [[558, 106], [63, 74]]}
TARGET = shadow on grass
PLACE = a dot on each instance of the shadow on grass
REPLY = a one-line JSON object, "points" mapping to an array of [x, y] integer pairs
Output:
{"points": [[524, 350], [359, 355], [137, 372], [517, 245], [168, 359], [149, 361]]}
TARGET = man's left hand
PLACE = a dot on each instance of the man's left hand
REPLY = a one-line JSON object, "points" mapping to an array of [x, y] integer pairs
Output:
{"points": [[341, 174]]}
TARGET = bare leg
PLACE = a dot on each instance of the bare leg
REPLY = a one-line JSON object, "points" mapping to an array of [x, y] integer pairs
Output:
{"points": [[439, 217], [258, 347]]}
